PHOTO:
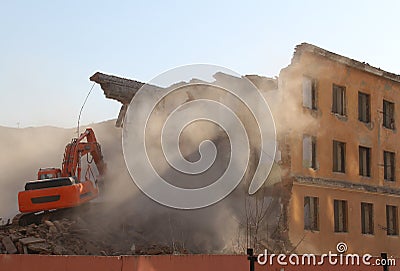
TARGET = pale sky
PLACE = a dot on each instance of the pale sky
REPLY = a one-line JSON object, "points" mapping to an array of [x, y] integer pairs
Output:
{"points": [[49, 49]]}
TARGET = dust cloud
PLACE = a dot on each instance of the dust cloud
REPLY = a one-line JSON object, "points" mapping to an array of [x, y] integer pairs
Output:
{"points": [[225, 227], [123, 205]]}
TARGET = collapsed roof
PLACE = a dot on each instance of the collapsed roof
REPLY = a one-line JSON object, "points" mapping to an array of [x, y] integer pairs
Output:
{"points": [[117, 88], [123, 90]]}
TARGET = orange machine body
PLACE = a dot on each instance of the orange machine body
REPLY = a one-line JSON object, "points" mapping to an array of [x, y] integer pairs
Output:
{"points": [[62, 188], [69, 195]]}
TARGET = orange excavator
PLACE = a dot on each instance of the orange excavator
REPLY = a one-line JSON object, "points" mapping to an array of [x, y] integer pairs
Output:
{"points": [[63, 188]]}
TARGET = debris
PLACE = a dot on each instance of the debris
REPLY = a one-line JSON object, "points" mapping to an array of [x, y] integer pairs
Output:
{"points": [[31, 240], [40, 248], [80, 223], [15, 237], [59, 226], [53, 229], [58, 250], [48, 223], [20, 248], [30, 230], [75, 237], [91, 249], [119, 89], [133, 247], [9, 245]]}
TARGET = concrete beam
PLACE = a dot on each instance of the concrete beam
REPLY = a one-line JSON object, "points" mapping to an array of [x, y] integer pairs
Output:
{"points": [[119, 89]]}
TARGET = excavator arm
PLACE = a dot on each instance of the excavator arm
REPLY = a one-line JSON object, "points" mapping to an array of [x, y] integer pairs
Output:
{"points": [[77, 149]]}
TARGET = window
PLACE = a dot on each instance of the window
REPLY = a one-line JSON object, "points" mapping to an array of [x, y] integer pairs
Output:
{"points": [[388, 114], [339, 153], [311, 213], [389, 164], [364, 107], [309, 152], [339, 100], [309, 93], [364, 156], [340, 213], [391, 220], [367, 218]]}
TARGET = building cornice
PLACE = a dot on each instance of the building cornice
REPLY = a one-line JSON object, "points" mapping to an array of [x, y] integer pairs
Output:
{"points": [[362, 66], [348, 185]]}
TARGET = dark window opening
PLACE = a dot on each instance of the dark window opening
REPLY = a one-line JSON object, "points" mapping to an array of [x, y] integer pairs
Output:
{"points": [[309, 93], [367, 218], [364, 156], [309, 152], [340, 215], [364, 114], [311, 213], [388, 115], [314, 153], [339, 154], [391, 220], [339, 100], [389, 164]]}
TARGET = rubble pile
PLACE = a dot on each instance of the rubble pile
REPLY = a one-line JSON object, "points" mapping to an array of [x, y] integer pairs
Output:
{"points": [[77, 237]]}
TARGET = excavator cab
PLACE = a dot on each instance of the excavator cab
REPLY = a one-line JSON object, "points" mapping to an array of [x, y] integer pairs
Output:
{"points": [[49, 173]]}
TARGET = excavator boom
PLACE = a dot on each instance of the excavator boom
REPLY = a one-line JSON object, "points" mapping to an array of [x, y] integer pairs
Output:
{"points": [[77, 149]]}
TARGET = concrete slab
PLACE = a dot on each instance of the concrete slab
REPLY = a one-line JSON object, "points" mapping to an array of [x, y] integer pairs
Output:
{"points": [[9, 245]]}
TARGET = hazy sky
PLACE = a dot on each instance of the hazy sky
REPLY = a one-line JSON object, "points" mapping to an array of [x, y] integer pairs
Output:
{"points": [[49, 49]]}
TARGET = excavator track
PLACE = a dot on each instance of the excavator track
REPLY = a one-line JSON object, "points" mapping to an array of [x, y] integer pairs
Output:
{"points": [[24, 219]]}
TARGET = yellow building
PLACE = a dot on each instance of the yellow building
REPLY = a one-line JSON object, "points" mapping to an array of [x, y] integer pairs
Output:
{"points": [[340, 153]]}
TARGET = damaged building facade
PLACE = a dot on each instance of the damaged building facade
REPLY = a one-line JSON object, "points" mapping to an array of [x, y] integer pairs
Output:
{"points": [[342, 162], [337, 132]]}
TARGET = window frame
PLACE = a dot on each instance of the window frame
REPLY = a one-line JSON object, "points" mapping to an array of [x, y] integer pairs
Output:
{"points": [[312, 92], [309, 151], [367, 207], [367, 109], [339, 98], [339, 166], [392, 159], [389, 121], [392, 230], [340, 215], [363, 150], [311, 222]]}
